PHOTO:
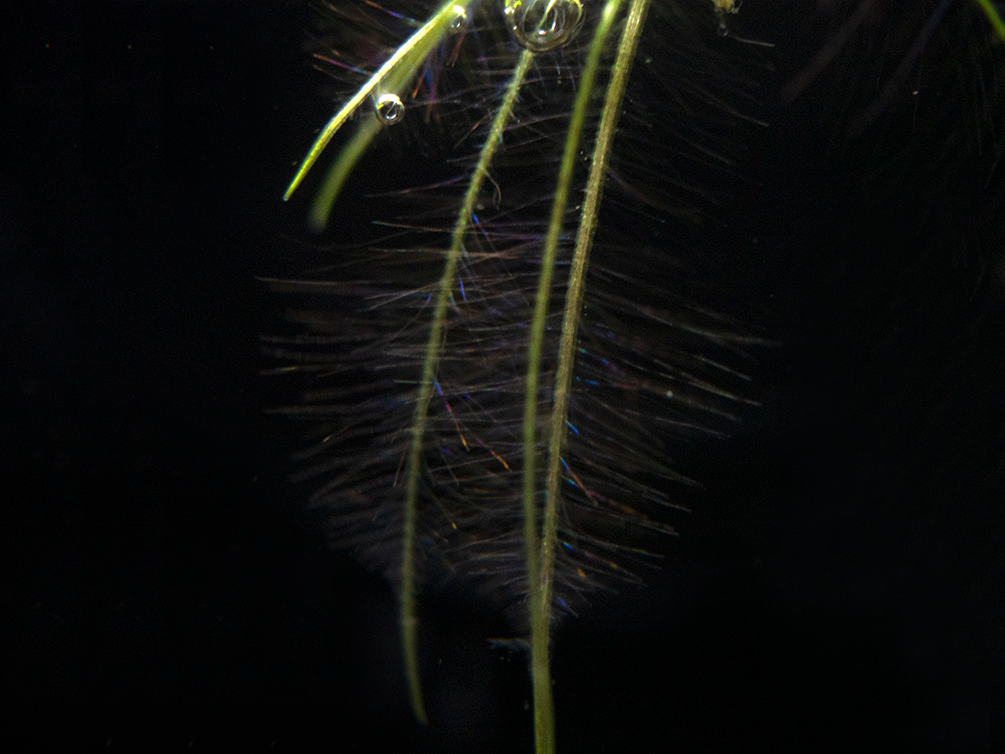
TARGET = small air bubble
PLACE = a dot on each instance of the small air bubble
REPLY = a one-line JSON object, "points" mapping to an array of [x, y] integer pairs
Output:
{"points": [[390, 109], [541, 25], [459, 21]]}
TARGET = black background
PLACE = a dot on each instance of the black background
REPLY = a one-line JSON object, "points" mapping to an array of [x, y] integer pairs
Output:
{"points": [[162, 585]]}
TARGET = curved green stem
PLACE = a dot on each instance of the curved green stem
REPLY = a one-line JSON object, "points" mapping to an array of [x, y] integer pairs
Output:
{"points": [[540, 552], [347, 158], [434, 348], [580, 260], [994, 17], [390, 78]]}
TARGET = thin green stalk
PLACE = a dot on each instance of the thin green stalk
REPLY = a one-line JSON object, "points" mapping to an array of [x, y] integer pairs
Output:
{"points": [[434, 348], [539, 580], [347, 158], [390, 78], [993, 17], [577, 273]]}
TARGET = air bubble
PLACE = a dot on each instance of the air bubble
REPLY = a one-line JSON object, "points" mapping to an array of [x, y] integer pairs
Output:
{"points": [[390, 109], [541, 25], [459, 21]]}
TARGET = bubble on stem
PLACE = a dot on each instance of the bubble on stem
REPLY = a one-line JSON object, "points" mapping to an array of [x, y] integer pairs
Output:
{"points": [[459, 21], [541, 25], [390, 109]]}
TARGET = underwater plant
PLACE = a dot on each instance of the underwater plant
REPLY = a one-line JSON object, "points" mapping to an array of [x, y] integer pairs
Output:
{"points": [[504, 372]]}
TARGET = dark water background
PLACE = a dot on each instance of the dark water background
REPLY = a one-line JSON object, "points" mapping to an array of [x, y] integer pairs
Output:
{"points": [[161, 584]]}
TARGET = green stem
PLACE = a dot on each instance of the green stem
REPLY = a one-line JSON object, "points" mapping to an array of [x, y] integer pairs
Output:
{"points": [[390, 78], [541, 551], [580, 260], [340, 170], [434, 348], [994, 17]]}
